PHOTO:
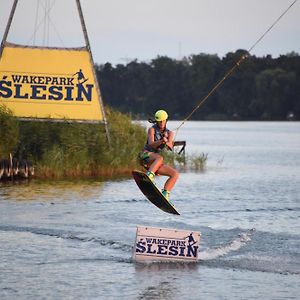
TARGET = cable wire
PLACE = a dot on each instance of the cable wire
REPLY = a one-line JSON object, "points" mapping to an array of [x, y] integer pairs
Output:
{"points": [[236, 65]]}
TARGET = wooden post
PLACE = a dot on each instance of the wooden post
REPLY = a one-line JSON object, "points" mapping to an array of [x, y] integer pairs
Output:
{"points": [[182, 150], [87, 43], [12, 12]]}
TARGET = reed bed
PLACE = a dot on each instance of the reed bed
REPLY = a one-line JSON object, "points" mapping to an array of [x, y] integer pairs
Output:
{"points": [[68, 149]]}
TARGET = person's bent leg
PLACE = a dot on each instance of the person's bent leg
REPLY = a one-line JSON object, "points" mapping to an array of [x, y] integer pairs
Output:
{"points": [[155, 162], [173, 176]]}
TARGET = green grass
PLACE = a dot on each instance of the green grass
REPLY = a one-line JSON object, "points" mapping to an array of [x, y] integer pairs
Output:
{"points": [[9, 132], [66, 149], [194, 162]]}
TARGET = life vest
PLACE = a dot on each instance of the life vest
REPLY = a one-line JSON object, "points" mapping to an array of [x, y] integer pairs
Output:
{"points": [[158, 135]]}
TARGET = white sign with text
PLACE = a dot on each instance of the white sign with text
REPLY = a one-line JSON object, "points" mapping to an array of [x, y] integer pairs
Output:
{"points": [[160, 244]]}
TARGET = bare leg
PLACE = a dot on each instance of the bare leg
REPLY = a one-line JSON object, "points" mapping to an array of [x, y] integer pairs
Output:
{"points": [[155, 162], [173, 176]]}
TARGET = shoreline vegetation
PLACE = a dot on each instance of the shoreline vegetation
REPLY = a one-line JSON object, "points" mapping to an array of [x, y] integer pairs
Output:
{"points": [[68, 150], [64, 149]]}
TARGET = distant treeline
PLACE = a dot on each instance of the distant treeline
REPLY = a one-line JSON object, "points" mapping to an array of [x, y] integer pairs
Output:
{"points": [[261, 88]]}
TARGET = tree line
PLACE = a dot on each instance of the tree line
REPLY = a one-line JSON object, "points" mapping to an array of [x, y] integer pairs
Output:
{"points": [[261, 88]]}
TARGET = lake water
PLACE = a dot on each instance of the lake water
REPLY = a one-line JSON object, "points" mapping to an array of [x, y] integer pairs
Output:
{"points": [[74, 239]]}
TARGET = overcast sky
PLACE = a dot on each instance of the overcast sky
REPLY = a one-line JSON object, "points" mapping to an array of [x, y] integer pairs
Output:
{"points": [[123, 30]]}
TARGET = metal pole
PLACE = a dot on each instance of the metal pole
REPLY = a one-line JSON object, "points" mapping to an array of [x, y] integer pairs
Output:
{"points": [[12, 12], [87, 43]]}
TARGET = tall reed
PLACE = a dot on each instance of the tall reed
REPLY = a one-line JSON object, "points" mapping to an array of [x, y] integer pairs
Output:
{"points": [[68, 149], [9, 132]]}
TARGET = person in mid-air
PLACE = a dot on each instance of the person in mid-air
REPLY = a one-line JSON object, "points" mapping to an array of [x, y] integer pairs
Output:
{"points": [[159, 137]]}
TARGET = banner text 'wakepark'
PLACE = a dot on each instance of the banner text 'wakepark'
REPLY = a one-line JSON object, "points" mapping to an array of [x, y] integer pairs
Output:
{"points": [[49, 83]]}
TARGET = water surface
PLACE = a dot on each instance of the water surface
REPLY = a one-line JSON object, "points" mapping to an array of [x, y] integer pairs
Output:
{"points": [[74, 239]]}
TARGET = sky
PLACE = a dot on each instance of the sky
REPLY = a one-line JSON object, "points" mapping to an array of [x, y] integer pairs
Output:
{"points": [[123, 30]]}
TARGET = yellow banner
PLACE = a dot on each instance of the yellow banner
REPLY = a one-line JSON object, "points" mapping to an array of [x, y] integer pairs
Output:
{"points": [[49, 83]]}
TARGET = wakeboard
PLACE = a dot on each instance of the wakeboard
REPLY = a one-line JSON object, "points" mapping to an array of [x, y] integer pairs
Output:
{"points": [[152, 193], [82, 82]]}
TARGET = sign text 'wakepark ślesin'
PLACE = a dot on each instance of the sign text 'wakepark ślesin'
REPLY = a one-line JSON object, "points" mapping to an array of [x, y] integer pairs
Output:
{"points": [[54, 83], [160, 244]]}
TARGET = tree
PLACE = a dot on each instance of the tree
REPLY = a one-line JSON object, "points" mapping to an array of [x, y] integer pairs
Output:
{"points": [[260, 87], [275, 91]]}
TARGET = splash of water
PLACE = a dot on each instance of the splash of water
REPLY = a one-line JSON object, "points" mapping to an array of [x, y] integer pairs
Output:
{"points": [[222, 250]]}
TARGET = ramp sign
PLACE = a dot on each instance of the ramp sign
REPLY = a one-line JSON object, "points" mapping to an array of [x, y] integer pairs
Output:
{"points": [[162, 244]]}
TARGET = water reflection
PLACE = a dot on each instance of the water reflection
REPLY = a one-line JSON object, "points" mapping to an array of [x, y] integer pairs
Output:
{"points": [[162, 290], [162, 286], [46, 190], [166, 266]]}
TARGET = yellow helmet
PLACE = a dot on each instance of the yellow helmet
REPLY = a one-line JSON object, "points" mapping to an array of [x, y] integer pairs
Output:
{"points": [[161, 115]]}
